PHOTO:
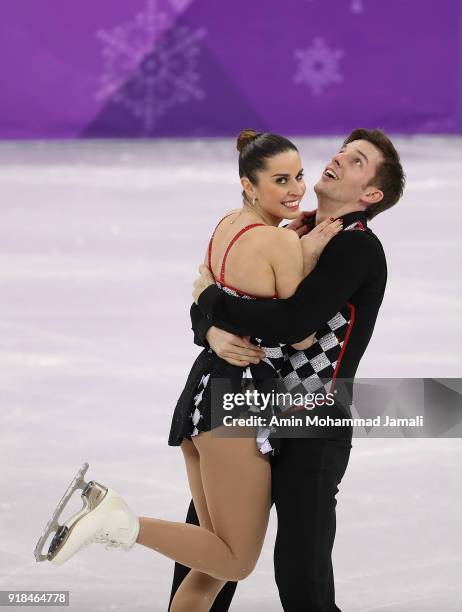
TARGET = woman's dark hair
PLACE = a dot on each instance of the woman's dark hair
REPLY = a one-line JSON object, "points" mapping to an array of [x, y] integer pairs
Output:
{"points": [[255, 148], [389, 176]]}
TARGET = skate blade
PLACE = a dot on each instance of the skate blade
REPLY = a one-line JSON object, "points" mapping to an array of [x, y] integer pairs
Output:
{"points": [[92, 493]]}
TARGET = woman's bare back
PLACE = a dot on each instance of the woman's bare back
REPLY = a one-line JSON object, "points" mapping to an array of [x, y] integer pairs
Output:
{"points": [[259, 258]]}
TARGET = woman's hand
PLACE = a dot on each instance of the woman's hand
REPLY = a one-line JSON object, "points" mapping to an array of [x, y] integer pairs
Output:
{"points": [[202, 282], [233, 349], [314, 243], [303, 223]]}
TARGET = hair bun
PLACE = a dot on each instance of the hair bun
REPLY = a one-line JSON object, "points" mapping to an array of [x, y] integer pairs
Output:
{"points": [[245, 137]]}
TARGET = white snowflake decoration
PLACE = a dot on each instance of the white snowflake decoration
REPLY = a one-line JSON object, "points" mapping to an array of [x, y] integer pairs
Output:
{"points": [[318, 66], [149, 68]]}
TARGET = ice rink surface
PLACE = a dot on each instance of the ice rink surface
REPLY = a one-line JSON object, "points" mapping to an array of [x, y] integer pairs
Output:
{"points": [[99, 244]]}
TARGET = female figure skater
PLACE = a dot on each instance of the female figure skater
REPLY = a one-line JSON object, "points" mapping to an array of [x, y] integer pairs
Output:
{"points": [[230, 478]]}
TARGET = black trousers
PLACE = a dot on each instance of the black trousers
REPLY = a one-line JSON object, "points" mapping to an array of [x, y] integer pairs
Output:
{"points": [[305, 479]]}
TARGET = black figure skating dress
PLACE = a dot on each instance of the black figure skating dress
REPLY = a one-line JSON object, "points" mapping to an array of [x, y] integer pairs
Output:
{"points": [[193, 412]]}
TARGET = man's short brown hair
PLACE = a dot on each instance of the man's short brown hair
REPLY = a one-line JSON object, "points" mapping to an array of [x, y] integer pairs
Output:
{"points": [[389, 177]]}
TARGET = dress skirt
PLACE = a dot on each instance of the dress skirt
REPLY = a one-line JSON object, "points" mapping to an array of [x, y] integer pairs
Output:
{"points": [[199, 407]]}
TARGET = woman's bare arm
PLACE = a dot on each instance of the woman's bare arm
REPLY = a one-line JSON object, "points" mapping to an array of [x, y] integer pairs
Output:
{"points": [[286, 259], [288, 266]]}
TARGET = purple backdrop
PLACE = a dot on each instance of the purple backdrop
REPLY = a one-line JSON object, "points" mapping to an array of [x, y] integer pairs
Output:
{"points": [[145, 68]]}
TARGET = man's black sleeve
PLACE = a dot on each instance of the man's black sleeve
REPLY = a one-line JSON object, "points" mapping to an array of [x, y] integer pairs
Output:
{"points": [[345, 264], [200, 324]]}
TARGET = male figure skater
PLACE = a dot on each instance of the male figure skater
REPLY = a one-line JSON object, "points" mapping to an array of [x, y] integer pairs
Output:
{"points": [[339, 302]]}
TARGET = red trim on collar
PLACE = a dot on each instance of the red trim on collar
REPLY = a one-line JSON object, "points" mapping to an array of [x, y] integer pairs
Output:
{"points": [[356, 225]]}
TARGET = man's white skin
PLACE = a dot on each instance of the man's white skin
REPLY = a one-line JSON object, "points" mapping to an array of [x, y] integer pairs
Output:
{"points": [[345, 186]]}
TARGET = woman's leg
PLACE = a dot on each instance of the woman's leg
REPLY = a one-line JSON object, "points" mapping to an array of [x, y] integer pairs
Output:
{"points": [[237, 485], [224, 598], [198, 590]]}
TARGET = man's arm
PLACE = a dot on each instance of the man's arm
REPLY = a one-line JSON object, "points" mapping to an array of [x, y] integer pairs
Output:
{"points": [[200, 325], [227, 345], [347, 261]]}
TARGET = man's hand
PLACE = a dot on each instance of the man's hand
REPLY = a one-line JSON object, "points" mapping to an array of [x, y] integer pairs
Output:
{"points": [[233, 349], [303, 223], [202, 282]]}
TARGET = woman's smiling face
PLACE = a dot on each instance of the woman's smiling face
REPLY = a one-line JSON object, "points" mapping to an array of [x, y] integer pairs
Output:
{"points": [[280, 187]]}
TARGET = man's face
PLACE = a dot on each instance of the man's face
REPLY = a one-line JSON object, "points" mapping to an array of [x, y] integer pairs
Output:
{"points": [[350, 172]]}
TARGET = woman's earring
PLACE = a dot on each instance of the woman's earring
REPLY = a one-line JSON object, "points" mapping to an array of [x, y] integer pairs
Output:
{"points": [[253, 201]]}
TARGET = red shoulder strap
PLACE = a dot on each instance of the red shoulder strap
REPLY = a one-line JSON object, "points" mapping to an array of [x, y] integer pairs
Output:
{"points": [[236, 237], [210, 243]]}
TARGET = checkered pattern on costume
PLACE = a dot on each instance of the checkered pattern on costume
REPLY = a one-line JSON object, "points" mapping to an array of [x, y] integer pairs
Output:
{"points": [[196, 415], [313, 369]]}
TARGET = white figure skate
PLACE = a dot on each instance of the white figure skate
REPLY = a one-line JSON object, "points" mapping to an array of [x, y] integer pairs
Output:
{"points": [[105, 518]]}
